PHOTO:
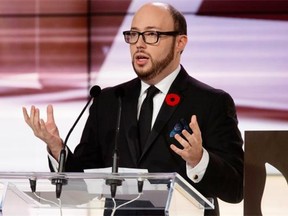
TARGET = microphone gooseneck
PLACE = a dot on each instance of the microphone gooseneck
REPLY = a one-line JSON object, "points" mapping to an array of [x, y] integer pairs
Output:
{"points": [[116, 182], [94, 92], [119, 94]]}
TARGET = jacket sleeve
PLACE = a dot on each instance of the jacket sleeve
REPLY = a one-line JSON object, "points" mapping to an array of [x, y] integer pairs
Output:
{"points": [[222, 139]]}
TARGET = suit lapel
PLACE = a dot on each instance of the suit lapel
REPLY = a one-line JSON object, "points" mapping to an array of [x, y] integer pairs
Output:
{"points": [[166, 111]]}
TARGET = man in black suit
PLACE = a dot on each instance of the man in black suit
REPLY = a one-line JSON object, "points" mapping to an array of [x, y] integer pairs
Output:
{"points": [[209, 157]]}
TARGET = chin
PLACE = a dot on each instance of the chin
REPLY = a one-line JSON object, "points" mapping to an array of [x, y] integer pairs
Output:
{"points": [[143, 72]]}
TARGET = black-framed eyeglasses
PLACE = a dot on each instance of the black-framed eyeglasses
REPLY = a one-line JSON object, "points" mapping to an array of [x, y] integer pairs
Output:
{"points": [[149, 37]]}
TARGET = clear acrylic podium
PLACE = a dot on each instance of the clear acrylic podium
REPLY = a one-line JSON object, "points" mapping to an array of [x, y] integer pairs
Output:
{"points": [[88, 194]]}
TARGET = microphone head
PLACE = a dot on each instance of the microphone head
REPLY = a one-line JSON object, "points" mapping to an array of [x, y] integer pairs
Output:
{"points": [[95, 91], [119, 92]]}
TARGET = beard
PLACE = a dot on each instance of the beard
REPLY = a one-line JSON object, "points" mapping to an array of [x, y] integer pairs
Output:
{"points": [[157, 66]]}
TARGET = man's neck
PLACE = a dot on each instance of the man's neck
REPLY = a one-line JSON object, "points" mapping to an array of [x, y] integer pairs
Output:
{"points": [[161, 76]]}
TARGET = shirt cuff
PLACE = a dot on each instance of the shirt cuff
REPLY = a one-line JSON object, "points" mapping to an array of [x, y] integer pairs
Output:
{"points": [[53, 161], [196, 173]]}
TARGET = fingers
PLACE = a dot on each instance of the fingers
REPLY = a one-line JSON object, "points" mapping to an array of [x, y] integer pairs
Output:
{"points": [[42, 125], [46, 131], [192, 143], [50, 113], [186, 153], [190, 139], [33, 120], [29, 118], [176, 150], [195, 127], [183, 142], [25, 114], [195, 137]]}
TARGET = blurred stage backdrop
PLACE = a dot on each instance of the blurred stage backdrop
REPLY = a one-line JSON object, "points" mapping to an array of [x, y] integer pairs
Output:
{"points": [[53, 51]]}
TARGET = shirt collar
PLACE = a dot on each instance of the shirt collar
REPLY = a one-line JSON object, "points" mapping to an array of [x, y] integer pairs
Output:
{"points": [[164, 84]]}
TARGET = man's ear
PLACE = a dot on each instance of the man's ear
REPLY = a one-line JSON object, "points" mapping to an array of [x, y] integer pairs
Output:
{"points": [[181, 43]]}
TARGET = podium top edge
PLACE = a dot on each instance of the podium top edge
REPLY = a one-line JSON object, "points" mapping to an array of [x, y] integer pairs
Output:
{"points": [[81, 175]]}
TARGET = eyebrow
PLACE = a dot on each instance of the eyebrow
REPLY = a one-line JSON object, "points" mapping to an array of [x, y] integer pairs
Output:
{"points": [[146, 28]]}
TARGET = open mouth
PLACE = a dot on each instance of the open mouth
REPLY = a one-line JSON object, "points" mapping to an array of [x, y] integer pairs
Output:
{"points": [[141, 59]]}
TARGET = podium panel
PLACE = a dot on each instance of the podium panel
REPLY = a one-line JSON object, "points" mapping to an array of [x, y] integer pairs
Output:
{"points": [[262, 147], [88, 194]]}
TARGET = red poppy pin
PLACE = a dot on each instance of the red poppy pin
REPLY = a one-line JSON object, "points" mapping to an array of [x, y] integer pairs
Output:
{"points": [[172, 99]]}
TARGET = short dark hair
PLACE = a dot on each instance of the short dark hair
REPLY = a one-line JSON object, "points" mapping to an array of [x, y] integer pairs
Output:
{"points": [[179, 20]]}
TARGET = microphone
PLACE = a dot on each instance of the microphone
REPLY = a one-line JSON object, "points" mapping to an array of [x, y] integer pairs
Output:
{"points": [[116, 182], [33, 182], [94, 92]]}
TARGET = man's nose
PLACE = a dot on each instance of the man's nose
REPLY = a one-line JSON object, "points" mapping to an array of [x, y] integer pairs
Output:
{"points": [[141, 42]]}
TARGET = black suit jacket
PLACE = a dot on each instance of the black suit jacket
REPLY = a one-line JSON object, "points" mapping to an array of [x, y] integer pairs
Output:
{"points": [[216, 115]]}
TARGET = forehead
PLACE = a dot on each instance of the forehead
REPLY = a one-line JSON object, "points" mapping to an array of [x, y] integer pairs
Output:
{"points": [[153, 17]]}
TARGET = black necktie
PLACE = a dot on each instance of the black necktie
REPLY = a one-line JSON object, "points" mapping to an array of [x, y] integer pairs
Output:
{"points": [[145, 117]]}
